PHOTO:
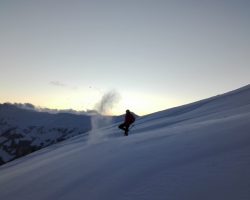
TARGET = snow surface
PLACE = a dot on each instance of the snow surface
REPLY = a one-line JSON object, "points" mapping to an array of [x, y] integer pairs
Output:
{"points": [[196, 151]]}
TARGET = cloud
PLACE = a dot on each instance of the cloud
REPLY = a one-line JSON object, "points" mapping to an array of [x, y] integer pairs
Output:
{"points": [[29, 106], [103, 107], [62, 85], [57, 83]]}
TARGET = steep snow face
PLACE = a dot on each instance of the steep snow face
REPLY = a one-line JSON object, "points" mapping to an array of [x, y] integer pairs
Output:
{"points": [[196, 151]]}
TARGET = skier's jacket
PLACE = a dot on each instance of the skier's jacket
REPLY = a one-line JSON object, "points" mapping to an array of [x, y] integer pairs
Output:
{"points": [[129, 118]]}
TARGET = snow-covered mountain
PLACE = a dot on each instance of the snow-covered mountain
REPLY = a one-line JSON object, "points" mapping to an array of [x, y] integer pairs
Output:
{"points": [[23, 131], [196, 151]]}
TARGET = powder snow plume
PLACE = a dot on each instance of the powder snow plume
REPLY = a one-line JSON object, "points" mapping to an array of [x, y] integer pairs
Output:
{"points": [[108, 101], [104, 107]]}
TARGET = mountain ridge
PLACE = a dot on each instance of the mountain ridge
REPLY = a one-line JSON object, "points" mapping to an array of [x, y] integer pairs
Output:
{"points": [[23, 131]]}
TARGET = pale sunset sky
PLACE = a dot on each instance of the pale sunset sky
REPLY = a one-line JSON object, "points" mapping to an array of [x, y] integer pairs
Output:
{"points": [[155, 54]]}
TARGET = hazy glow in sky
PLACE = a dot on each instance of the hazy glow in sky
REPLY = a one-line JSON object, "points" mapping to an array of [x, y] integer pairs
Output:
{"points": [[155, 53]]}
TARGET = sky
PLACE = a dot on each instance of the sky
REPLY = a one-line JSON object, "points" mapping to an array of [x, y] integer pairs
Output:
{"points": [[154, 54]]}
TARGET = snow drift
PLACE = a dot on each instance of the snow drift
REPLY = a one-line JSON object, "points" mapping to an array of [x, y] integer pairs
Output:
{"points": [[196, 151]]}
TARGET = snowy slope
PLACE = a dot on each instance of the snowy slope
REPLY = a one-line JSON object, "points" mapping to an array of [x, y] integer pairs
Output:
{"points": [[23, 131], [196, 151]]}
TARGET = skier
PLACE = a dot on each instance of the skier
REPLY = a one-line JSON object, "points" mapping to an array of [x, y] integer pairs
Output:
{"points": [[129, 119]]}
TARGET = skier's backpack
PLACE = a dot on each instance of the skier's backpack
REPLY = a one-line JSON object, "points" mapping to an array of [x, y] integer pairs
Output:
{"points": [[132, 118]]}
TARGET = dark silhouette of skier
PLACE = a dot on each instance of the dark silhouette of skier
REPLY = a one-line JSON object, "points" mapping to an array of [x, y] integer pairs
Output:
{"points": [[129, 119]]}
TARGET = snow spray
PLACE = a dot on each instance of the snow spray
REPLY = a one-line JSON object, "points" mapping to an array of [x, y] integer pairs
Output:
{"points": [[104, 108]]}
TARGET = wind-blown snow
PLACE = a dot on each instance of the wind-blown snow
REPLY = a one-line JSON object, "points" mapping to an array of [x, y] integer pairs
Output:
{"points": [[196, 151]]}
